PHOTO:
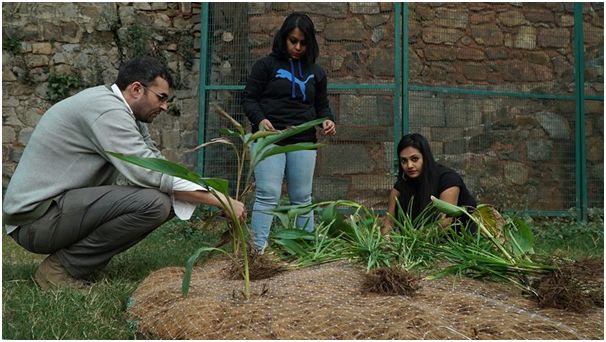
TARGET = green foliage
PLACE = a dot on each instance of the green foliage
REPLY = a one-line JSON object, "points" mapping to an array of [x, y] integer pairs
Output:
{"points": [[12, 43], [60, 86], [263, 141], [32, 314], [185, 49], [500, 251], [137, 40], [566, 236], [175, 170]]}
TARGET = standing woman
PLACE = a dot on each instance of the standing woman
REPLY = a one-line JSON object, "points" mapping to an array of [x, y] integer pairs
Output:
{"points": [[284, 89], [419, 178]]}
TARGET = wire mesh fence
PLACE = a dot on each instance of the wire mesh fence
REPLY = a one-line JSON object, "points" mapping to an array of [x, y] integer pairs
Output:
{"points": [[493, 87]]}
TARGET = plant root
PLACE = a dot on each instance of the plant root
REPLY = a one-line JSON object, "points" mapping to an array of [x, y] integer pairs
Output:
{"points": [[575, 286], [391, 281], [260, 266]]}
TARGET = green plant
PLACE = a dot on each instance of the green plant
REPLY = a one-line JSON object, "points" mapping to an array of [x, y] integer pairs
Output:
{"points": [[60, 86], [505, 255], [360, 234], [12, 43], [264, 147]]}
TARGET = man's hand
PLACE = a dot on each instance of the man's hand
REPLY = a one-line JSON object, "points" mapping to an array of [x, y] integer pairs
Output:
{"points": [[220, 201], [239, 209]]}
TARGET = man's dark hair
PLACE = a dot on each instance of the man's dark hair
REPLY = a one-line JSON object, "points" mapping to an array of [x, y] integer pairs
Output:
{"points": [[142, 69], [302, 22]]}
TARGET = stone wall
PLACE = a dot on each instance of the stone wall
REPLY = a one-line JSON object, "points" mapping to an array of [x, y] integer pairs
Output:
{"points": [[52, 50], [512, 151]]}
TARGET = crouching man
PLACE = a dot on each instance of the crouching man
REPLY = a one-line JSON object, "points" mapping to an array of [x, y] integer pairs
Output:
{"points": [[62, 199]]}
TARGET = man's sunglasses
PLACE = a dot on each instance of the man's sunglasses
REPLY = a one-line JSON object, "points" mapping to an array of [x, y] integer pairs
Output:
{"points": [[161, 97]]}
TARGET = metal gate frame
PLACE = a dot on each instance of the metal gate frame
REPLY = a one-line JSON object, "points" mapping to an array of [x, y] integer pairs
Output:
{"points": [[401, 88]]}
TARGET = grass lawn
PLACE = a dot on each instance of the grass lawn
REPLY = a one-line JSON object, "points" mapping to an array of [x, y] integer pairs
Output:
{"points": [[28, 313]]}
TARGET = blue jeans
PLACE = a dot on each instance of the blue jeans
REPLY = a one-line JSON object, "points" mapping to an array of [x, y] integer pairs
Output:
{"points": [[299, 170]]}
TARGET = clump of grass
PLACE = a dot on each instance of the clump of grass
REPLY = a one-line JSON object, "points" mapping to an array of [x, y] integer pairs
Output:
{"points": [[391, 281]]}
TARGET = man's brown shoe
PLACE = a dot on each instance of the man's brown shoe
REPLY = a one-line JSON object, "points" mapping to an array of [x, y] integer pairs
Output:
{"points": [[52, 275]]}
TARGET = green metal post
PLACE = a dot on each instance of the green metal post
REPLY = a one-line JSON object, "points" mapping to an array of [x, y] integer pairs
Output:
{"points": [[581, 170], [397, 79], [202, 84], [405, 79]]}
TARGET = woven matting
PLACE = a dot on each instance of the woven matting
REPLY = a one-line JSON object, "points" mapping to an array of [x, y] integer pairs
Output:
{"points": [[327, 302]]}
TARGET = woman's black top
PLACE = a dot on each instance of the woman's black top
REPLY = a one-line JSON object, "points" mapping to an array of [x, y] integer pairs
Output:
{"points": [[409, 190], [286, 92]]}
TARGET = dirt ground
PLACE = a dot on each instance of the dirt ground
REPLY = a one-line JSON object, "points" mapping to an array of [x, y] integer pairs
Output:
{"points": [[327, 302]]}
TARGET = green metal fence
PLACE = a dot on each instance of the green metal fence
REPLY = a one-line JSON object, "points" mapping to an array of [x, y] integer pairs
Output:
{"points": [[509, 94]]}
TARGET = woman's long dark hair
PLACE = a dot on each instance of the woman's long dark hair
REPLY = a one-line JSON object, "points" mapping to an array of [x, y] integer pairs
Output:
{"points": [[302, 22], [428, 180]]}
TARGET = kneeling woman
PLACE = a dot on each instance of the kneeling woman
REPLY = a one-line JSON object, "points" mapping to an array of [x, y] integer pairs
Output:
{"points": [[419, 178]]}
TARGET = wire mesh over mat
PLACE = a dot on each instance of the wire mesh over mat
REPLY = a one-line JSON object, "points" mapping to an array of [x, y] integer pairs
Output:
{"points": [[328, 302]]}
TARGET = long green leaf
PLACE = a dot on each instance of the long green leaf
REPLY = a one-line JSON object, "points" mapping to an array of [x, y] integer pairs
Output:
{"points": [[189, 265], [521, 234], [293, 234], [272, 139], [288, 148], [173, 169], [250, 137], [448, 208]]}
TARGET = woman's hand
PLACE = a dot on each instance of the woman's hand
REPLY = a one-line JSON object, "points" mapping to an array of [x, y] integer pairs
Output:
{"points": [[267, 125], [329, 127], [387, 225]]}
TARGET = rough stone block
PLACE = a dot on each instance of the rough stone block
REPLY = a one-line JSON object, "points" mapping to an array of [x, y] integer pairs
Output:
{"points": [[381, 63], [526, 38], [511, 18], [8, 135], [595, 149], [264, 24], [437, 35], [439, 53], [331, 10], [345, 159], [330, 188], [15, 153], [453, 18], [34, 61], [515, 173], [487, 34], [426, 110], [376, 20], [375, 182], [24, 135], [475, 71], [447, 134], [364, 7], [351, 29], [470, 54], [363, 110], [364, 133], [482, 17], [463, 112], [555, 125], [539, 15], [554, 38], [42, 48], [457, 146], [539, 150]]}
